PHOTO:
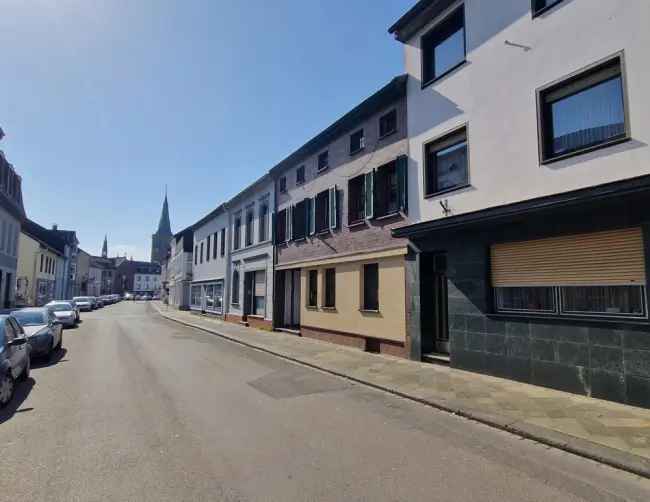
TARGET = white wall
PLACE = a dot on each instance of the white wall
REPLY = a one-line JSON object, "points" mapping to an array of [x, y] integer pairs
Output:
{"points": [[494, 93], [211, 269]]}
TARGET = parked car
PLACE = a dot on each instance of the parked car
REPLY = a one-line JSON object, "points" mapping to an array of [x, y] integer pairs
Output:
{"points": [[64, 313], [84, 303], [99, 303], [146, 297], [75, 306], [14, 357], [44, 332], [128, 296]]}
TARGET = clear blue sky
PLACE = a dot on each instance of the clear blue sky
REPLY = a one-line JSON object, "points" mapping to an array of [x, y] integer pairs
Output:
{"points": [[103, 102]]}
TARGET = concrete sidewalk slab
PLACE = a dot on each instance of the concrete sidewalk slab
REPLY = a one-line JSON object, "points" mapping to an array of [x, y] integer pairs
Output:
{"points": [[611, 433]]}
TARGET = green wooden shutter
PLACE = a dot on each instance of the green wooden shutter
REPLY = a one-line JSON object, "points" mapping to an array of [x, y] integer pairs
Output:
{"points": [[289, 223], [333, 203], [369, 194], [402, 183], [311, 210]]}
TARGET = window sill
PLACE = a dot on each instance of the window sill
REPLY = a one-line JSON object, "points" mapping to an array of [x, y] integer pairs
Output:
{"points": [[322, 170], [329, 309], [558, 318], [311, 307], [582, 151], [369, 311], [388, 216], [323, 232], [390, 133], [447, 191], [354, 152], [445, 74], [357, 223], [255, 316]]}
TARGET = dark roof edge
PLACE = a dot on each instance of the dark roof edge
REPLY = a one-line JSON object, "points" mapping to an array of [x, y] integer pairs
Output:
{"points": [[566, 199], [180, 233], [416, 17], [392, 91], [44, 236]]}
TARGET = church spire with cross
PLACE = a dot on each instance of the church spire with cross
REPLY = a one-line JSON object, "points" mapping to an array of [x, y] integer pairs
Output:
{"points": [[105, 247]]}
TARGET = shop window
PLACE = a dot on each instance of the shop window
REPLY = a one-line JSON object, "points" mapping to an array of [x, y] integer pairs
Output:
{"points": [[600, 274], [583, 112], [312, 299], [195, 296], [371, 286], [259, 294]]}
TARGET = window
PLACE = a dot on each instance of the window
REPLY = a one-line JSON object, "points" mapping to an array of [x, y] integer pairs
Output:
{"points": [[371, 286], [541, 6], [207, 251], [249, 226], [201, 255], [282, 184], [264, 221], [223, 242], [196, 254], [214, 245], [357, 141], [330, 288], [583, 112], [236, 244], [195, 296], [356, 199], [312, 300], [388, 123], [235, 288], [323, 160], [446, 163], [281, 227], [299, 224], [322, 212], [42, 263], [300, 175], [528, 299], [597, 274], [443, 48], [259, 293], [386, 190], [209, 297], [218, 297]]}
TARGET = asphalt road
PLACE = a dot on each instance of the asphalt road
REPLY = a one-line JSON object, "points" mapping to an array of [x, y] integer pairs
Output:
{"points": [[140, 408]]}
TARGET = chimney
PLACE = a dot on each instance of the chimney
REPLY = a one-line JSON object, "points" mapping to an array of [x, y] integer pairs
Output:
{"points": [[55, 227]]}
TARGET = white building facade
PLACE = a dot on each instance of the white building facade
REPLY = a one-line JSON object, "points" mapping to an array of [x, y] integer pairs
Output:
{"points": [[529, 181], [210, 263]]}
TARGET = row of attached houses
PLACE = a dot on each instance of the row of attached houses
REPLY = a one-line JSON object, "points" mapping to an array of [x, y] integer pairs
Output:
{"points": [[487, 209]]}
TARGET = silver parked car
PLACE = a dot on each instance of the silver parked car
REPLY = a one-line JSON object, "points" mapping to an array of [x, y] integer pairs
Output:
{"points": [[14, 357], [84, 303], [64, 313], [44, 332]]}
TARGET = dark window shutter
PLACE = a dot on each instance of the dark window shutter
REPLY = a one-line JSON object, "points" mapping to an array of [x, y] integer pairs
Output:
{"points": [[402, 183], [311, 208], [369, 194], [333, 207]]}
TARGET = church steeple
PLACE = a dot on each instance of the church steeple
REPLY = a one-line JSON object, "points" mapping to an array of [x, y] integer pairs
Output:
{"points": [[105, 247], [160, 240]]}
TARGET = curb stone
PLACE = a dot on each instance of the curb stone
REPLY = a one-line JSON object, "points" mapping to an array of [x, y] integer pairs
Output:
{"points": [[571, 444]]}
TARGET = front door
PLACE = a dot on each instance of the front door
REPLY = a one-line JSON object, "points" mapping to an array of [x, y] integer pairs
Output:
{"points": [[7, 290], [440, 308], [433, 295], [291, 317], [249, 284]]}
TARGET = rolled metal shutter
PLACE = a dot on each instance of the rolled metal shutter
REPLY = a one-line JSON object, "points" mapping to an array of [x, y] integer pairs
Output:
{"points": [[614, 257], [260, 283]]}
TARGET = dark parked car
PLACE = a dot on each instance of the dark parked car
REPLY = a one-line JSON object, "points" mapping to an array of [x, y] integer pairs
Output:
{"points": [[44, 332], [14, 357]]}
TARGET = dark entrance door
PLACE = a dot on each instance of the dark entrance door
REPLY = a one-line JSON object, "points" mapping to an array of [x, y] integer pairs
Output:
{"points": [[434, 322], [249, 284]]}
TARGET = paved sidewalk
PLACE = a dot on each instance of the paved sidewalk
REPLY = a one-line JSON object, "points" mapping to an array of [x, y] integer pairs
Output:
{"points": [[611, 433]]}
